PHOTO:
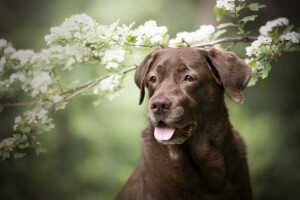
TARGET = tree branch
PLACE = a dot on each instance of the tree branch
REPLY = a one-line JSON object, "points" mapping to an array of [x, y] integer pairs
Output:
{"points": [[244, 39], [83, 88]]}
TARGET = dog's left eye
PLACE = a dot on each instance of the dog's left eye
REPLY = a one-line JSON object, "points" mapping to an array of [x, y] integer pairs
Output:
{"points": [[188, 78], [153, 79]]}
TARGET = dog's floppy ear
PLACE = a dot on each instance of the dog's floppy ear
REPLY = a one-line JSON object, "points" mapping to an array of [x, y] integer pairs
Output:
{"points": [[141, 73], [230, 71]]}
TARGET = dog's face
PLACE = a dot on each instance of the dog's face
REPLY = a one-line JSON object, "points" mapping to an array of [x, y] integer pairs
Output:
{"points": [[187, 85]]}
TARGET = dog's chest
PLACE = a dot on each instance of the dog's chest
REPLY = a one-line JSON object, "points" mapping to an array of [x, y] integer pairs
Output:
{"points": [[171, 170]]}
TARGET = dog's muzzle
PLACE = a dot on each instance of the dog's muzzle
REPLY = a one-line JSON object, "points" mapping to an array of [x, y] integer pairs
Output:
{"points": [[170, 126]]}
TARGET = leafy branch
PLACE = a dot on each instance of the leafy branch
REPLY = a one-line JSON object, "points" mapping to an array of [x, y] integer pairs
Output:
{"points": [[243, 39]]}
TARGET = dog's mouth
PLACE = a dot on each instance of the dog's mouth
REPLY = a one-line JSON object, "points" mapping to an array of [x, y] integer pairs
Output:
{"points": [[167, 134], [163, 133]]}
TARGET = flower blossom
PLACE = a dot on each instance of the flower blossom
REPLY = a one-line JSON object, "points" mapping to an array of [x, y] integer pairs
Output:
{"points": [[108, 84], [7, 143], [40, 82], [9, 50], [3, 43], [17, 76], [2, 63], [77, 27], [23, 56], [262, 41], [150, 32], [294, 37], [204, 33], [270, 25], [229, 5], [112, 57], [56, 98], [36, 117], [18, 121]]}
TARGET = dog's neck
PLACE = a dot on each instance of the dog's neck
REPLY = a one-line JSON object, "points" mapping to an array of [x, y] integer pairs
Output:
{"points": [[175, 152], [206, 137]]}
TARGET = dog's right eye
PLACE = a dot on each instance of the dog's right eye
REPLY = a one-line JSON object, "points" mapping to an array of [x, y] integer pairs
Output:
{"points": [[188, 78], [153, 79]]}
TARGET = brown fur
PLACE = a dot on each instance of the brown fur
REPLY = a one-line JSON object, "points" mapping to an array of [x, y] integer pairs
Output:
{"points": [[206, 158]]}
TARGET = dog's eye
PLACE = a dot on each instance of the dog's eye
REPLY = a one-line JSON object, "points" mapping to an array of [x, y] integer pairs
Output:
{"points": [[188, 78], [153, 79]]}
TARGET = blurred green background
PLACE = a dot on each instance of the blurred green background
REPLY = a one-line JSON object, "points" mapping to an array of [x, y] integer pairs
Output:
{"points": [[93, 150]]}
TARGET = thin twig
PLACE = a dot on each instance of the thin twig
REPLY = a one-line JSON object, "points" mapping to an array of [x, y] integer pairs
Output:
{"points": [[245, 39], [185, 42], [231, 46]]}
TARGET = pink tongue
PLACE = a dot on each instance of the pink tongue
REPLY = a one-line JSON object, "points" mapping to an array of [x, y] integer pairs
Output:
{"points": [[163, 133]]}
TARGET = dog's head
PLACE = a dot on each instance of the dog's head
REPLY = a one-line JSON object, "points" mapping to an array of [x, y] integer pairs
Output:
{"points": [[187, 85]]}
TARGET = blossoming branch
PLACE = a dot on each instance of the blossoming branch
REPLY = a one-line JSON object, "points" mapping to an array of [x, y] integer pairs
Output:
{"points": [[116, 49]]}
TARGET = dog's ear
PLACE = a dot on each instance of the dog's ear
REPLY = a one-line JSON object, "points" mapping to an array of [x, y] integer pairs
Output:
{"points": [[141, 73], [230, 71]]}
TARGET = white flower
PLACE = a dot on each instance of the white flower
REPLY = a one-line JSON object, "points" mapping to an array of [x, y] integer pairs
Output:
{"points": [[3, 43], [36, 117], [227, 4], [40, 82], [42, 116], [291, 36], [112, 57], [108, 84], [262, 41], [2, 63], [17, 76], [40, 57], [77, 35], [111, 65], [56, 98], [270, 25], [18, 120], [7, 143], [24, 56], [79, 26], [9, 50], [202, 34], [78, 51], [54, 52], [150, 31]]}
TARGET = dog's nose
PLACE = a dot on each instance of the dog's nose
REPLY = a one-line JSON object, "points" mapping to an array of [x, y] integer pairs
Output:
{"points": [[159, 105]]}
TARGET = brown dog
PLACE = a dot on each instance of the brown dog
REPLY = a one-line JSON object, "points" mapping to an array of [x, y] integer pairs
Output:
{"points": [[190, 150]]}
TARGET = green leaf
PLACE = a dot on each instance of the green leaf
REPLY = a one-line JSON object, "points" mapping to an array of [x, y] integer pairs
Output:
{"points": [[287, 29], [252, 63], [219, 33], [264, 72], [255, 6], [224, 25], [240, 7], [60, 106], [24, 128], [220, 13], [249, 18]]}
